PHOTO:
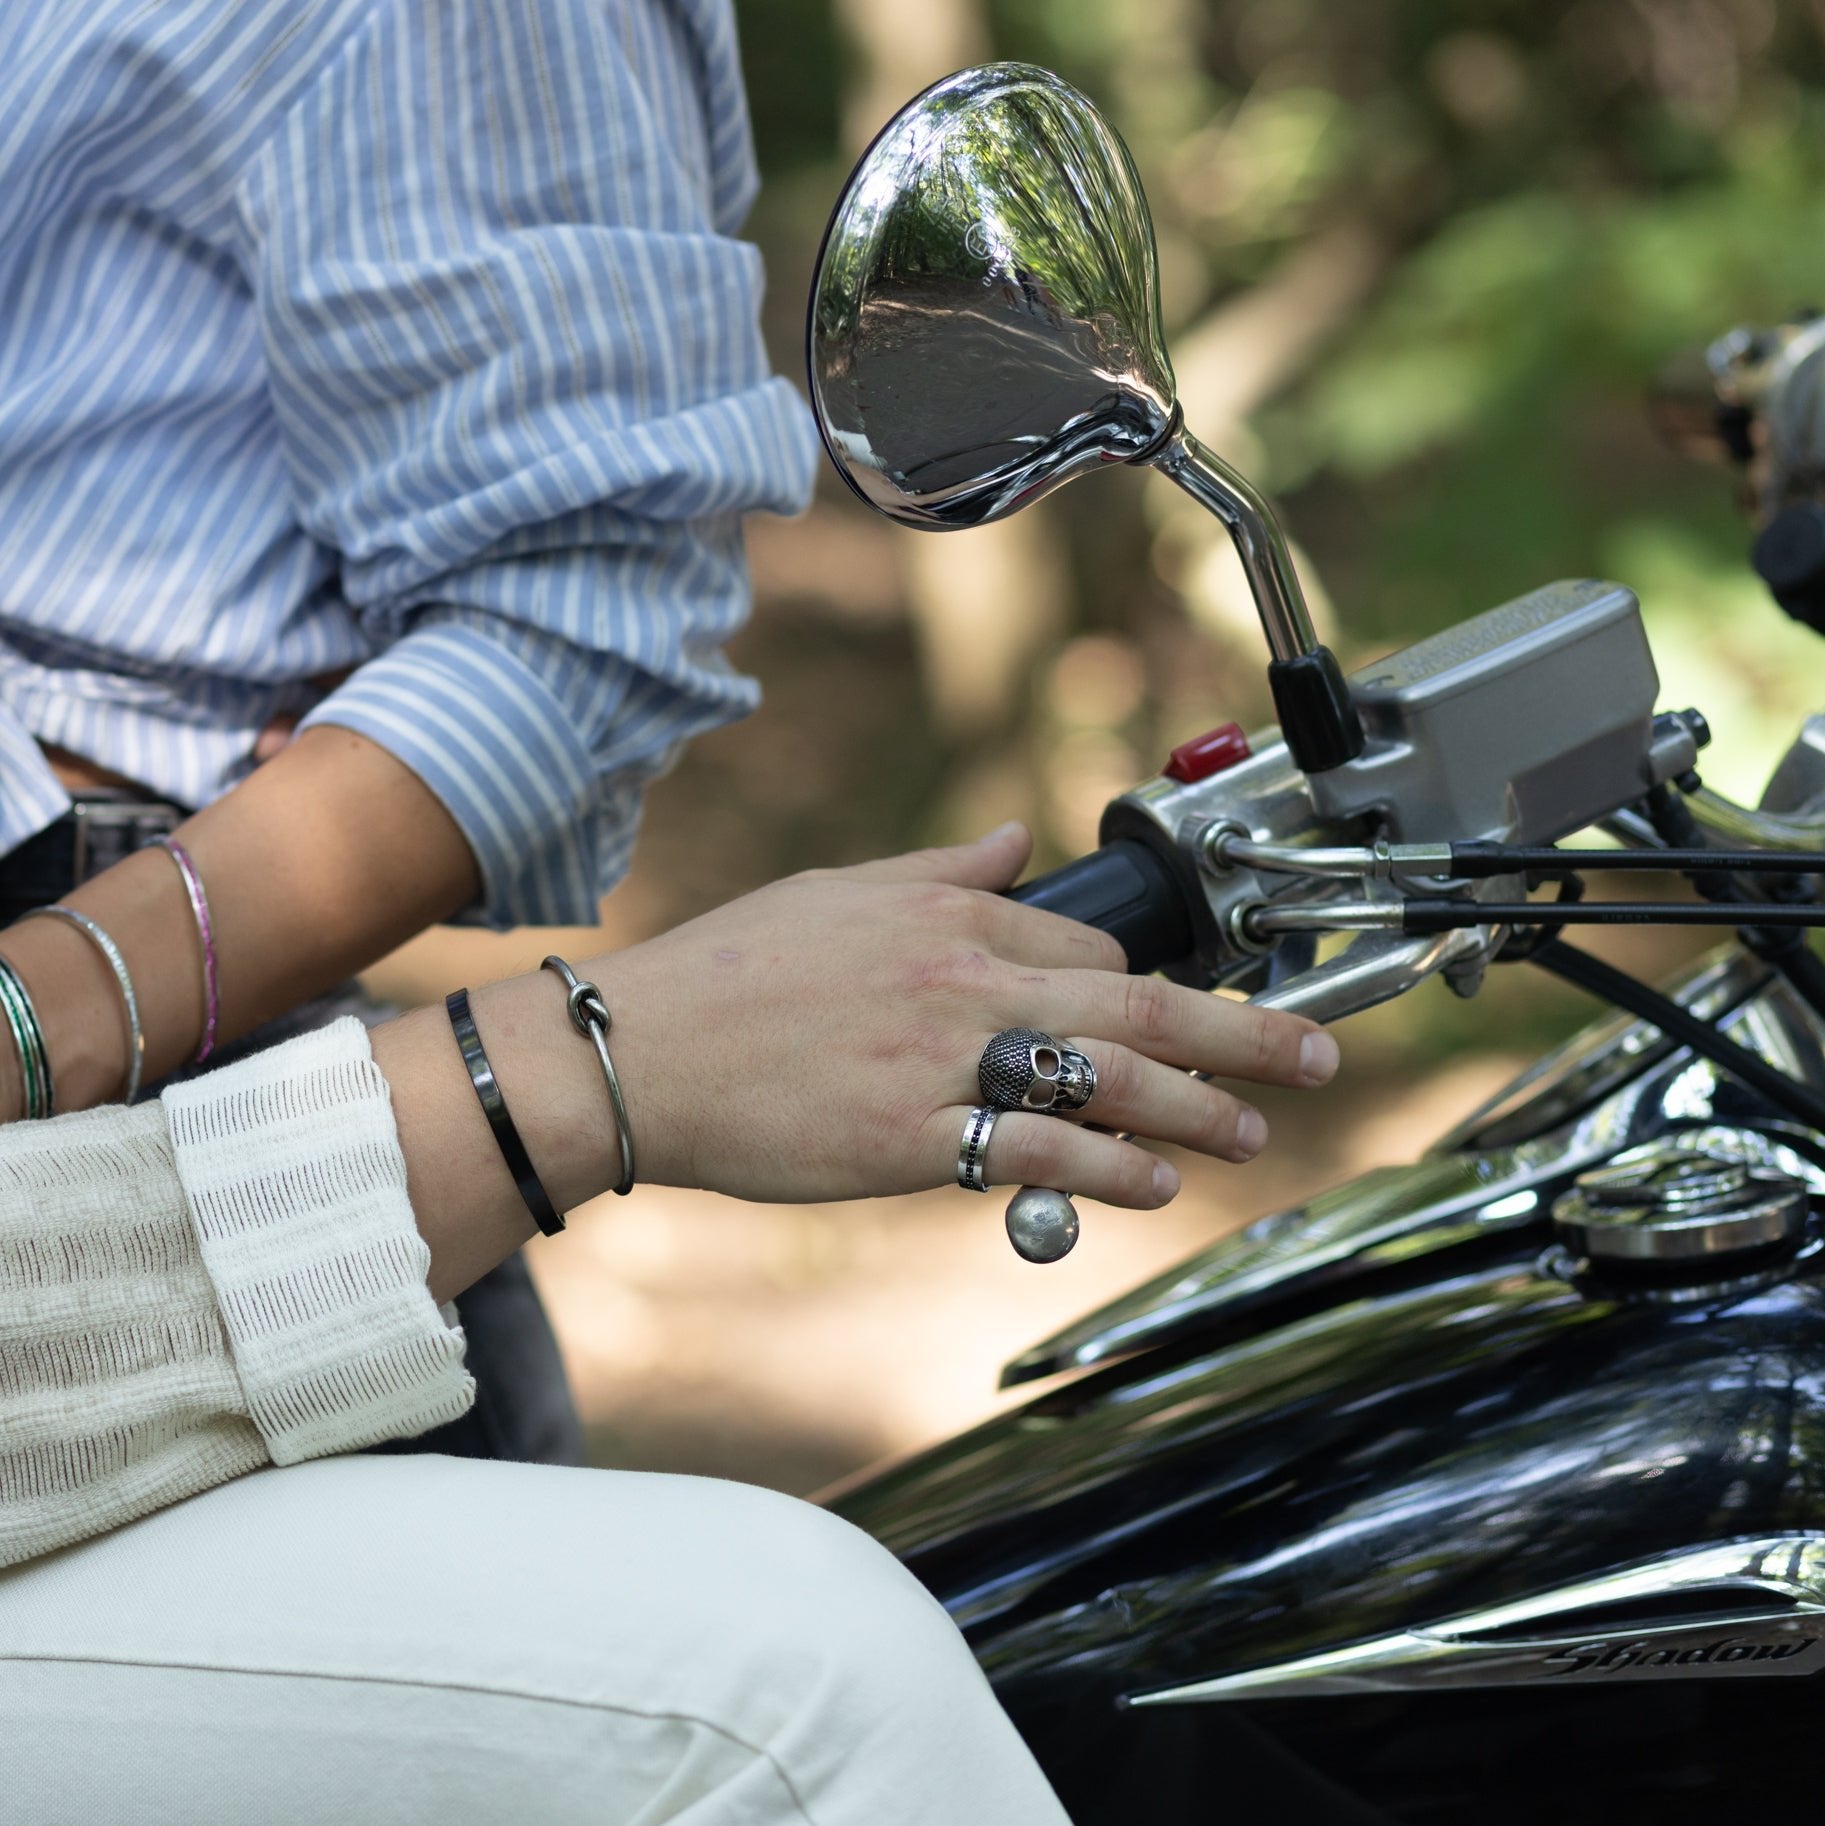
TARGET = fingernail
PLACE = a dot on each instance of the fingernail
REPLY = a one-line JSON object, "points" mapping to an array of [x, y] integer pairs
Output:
{"points": [[1165, 1180], [1318, 1057], [1251, 1133], [999, 832]]}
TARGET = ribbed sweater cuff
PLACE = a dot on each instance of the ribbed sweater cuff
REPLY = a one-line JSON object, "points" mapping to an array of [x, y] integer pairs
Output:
{"points": [[291, 1166]]}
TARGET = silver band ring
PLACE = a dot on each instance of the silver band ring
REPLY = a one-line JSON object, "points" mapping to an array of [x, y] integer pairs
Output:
{"points": [[978, 1126], [1024, 1069]]}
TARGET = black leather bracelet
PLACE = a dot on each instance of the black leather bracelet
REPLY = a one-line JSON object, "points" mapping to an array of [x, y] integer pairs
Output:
{"points": [[494, 1106]]}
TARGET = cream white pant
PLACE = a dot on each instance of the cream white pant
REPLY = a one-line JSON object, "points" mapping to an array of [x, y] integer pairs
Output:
{"points": [[444, 1641]]}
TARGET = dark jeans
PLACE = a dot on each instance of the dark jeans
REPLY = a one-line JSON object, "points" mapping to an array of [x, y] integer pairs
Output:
{"points": [[523, 1409]]}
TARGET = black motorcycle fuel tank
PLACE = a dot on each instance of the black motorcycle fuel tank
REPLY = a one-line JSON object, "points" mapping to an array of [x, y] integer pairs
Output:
{"points": [[1467, 1529]]}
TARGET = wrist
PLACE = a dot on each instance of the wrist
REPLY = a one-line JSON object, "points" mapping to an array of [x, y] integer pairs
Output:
{"points": [[551, 1080], [468, 1207], [77, 1003]]}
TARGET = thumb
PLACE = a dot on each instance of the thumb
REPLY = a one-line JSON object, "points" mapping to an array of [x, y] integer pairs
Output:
{"points": [[992, 862]]}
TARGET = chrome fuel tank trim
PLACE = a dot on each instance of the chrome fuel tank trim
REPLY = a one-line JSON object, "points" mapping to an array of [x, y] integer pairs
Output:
{"points": [[1616, 1086], [1599, 1060], [1746, 1609], [1447, 1198]]}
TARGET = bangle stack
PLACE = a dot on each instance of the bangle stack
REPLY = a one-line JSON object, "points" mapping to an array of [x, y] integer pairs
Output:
{"points": [[33, 1056], [589, 1015], [28, 1037], [22, 1018], [199, 907], [110, 952]]}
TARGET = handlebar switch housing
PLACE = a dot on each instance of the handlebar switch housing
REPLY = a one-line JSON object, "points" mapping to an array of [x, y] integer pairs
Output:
{"points": [[1521, 725]]}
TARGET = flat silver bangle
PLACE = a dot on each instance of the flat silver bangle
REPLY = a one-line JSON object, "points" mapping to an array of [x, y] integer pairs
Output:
{"points": [[590, 1017], [92, 931]]}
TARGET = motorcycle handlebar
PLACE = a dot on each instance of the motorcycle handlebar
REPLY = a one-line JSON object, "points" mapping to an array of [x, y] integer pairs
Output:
{"points": [[1126, 890]]}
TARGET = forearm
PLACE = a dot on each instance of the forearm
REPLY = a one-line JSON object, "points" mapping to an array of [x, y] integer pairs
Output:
{"points": [[318, 863]]}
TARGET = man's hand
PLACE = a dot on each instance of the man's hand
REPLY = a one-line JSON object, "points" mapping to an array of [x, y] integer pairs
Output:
{"points": [[819, 1038]]}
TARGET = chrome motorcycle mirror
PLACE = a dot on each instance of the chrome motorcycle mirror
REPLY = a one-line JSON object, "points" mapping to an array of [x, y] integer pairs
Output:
{"points": [[985, 325]]}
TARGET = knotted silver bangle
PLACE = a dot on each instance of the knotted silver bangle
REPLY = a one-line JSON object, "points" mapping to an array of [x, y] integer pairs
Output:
{"points": [[110, 953], [590, 1017]]}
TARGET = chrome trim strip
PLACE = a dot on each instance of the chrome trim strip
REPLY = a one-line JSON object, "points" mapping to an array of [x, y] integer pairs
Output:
{"points": [[1778, 1628]]}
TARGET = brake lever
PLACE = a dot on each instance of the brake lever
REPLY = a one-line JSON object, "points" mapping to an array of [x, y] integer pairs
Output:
{"points": [[1374, 968]]}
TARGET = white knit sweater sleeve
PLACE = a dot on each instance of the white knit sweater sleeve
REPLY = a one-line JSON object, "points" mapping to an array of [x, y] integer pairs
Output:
{"points": [[194, 1288]]}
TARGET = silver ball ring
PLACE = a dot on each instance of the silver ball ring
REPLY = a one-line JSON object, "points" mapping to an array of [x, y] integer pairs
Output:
{"points": [[1024, 1069], [978, 1126]]}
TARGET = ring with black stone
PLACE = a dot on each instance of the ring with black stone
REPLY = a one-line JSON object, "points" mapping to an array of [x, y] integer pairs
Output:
{"points": [[978, 1125]]}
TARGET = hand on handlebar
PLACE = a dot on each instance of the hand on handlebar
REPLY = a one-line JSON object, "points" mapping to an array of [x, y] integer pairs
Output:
{"points": [[819, 1039]]}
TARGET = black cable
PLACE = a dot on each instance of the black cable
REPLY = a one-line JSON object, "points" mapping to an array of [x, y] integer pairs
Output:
{"points": [[1478, 861], [1634, 997], [1444, 915], [1785, 948]]}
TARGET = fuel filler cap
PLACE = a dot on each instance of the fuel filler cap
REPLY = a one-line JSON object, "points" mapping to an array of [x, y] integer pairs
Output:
{"points": [[1662, 1203]]}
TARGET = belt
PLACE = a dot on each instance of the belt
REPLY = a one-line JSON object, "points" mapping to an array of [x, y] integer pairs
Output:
{"points": [[102, 827]]}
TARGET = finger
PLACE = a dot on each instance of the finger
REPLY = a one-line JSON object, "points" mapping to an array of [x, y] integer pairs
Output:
{"points": [[1137, 1094], [1040, 940], [991, 862], [1185, 1027], [1042, 1151]]}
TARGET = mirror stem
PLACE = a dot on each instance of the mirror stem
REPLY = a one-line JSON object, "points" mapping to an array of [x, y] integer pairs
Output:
{"points": [[1317, 718], [1260, 544]]}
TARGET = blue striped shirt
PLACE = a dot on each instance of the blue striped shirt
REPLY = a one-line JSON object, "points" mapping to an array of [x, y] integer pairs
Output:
{"points": [[401, 335]]}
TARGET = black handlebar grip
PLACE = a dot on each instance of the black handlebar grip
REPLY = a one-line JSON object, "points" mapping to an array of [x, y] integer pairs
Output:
{"points": [[1126, 890]]}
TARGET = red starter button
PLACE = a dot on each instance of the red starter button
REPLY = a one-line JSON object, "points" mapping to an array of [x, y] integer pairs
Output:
{"points": [[1207, 754]]}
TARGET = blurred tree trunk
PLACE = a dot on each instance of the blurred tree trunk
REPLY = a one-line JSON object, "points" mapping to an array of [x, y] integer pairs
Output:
{"points": [[1233, 360], [984, 603], [901, 49]]}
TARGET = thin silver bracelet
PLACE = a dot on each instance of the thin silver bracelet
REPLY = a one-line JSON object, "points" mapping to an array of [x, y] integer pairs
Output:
{"points": [[93, 932], [590, 1017]]}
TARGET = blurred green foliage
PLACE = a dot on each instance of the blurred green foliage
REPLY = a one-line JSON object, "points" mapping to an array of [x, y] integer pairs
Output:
{"points": [[1556, 197]]}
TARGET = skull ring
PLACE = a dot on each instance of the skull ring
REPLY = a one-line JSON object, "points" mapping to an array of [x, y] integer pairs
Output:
{"points": [[1024, 1069]]}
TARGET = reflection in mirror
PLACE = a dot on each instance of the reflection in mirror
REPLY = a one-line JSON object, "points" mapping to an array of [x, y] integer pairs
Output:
{"points": [[985, 321], [985, 325]]}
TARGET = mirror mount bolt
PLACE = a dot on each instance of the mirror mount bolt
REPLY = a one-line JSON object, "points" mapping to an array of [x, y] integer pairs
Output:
{"points": [[1317, 717]]}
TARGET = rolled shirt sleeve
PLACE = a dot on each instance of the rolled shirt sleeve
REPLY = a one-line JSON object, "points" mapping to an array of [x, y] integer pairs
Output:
{"points": [[515, 358]]}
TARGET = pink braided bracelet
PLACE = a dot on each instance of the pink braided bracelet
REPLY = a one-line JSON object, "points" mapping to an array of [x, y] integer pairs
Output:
{"points": [[199, 905]]}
